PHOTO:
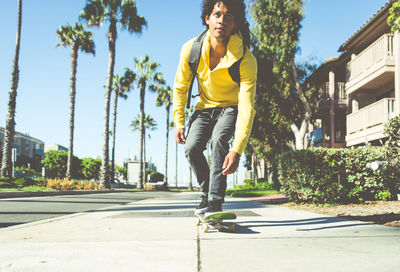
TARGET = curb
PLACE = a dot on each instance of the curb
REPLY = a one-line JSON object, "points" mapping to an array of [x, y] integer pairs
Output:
{"points": [[56, 193]]}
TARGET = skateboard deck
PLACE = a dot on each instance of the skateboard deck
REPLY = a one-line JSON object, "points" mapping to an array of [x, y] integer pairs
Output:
{"points": [[214, 221]]}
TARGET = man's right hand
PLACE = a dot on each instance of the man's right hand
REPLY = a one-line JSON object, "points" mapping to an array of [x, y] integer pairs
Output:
{"points": [[180, 135]]}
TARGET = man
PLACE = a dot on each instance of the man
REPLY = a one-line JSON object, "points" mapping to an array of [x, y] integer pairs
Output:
{"points": [[224, 108]]}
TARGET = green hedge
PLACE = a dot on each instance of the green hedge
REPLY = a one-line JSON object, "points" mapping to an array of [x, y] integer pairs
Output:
{"points": [[326, 175]]}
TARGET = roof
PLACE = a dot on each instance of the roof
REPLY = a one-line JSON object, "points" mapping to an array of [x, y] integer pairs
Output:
{"points": [[365, 26]]}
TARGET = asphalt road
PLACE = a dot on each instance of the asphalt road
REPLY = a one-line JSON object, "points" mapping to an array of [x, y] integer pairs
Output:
{"points": [[14, 211]]}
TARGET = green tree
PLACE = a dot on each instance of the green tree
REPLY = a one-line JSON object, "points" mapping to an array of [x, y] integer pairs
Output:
{"points": [[122, 86], [155, 176], [91, 168], [121, 172], [147, 75], [164, 98], [82, 40], [148, 123], [55, 163], [9, 131], [124, 13], [394, 16], [277, 25]]}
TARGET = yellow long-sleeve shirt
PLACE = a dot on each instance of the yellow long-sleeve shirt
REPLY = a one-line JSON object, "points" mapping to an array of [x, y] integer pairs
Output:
{"points": [[216, 87]]}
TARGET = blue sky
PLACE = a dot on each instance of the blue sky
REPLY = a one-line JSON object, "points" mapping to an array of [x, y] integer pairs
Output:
{"points": [[43, 92]]}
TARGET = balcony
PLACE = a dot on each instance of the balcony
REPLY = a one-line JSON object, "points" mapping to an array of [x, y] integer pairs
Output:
{"points": [[367, 124], [339, 96], [373, 67]]}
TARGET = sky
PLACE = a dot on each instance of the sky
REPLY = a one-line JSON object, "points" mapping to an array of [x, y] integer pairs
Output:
{"points": [[43, 92]]}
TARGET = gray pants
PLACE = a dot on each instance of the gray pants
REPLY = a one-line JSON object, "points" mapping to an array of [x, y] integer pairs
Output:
{"points": [[217, 124]]}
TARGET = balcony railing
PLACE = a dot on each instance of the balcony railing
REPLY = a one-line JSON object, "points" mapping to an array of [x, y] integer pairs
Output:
{"points": [[376, 52], [370, 116], [340, 92]]}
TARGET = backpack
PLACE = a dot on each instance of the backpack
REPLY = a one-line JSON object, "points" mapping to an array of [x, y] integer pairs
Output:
{"points": [[194, 59]]}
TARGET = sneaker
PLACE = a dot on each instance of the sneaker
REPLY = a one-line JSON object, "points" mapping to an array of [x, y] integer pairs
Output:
{"points": [[203, 205], [214, 206]]}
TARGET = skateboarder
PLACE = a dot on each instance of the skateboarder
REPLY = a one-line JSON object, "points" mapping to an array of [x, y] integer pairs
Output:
{"points": [[225, 105]]}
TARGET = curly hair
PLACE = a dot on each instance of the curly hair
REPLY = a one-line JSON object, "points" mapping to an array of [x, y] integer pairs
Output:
{"points": [[238, 10]]}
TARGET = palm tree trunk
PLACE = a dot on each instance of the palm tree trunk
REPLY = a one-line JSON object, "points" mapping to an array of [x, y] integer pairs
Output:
{"points": [[72, 94], [113, 135], [144, 157], [6, 166], [105, 171], [166, 151], [176, 165], [142, 90]]}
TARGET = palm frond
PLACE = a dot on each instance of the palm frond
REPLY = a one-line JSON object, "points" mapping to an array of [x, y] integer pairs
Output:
{"points": [[94, 13], [130, 20]]}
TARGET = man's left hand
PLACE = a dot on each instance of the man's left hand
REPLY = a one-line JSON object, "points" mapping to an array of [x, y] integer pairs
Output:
{"points": [[231, 163]]}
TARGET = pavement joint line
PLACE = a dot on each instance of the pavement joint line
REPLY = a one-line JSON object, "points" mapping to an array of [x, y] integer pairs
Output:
{"points": [[198, 249], [58, 218], [294, 237]]}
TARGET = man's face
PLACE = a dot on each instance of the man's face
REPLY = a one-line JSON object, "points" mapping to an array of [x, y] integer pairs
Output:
{"points": [[220, 22]]}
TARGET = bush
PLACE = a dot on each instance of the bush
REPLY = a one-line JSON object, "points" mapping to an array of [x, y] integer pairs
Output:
{"points": [[321, 175], [248, 181], [91, 168], [25, 171], [55, 163], [18, 183], [71, 184]]}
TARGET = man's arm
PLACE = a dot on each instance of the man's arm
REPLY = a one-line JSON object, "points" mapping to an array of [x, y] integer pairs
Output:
{"points": [[180, 135], [246, 112], [181, 86], [231, 163]]}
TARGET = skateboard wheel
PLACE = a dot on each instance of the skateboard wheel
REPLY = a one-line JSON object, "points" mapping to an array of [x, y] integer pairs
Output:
{"points": [[205, 227], [231, 227]]}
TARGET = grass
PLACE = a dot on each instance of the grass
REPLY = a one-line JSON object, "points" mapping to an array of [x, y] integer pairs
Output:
{"points": [[26, 189], [250, 192], [253, 190]]}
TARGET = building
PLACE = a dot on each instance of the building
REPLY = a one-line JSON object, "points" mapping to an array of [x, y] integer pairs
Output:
{"points": [[360, 89], [372, 79], [30, 151], [56, 147], [133, 170], [332, 105]]}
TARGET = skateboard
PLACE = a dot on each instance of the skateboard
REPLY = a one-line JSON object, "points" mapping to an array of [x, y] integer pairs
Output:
{"points": [[214, 221]]}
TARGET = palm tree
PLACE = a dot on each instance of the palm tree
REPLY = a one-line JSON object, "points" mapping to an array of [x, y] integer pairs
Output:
{"points": [[78, 39], [164, 98], [9, 131], [146, 71], [172, 125], [124, 13], [149, 123], [121, 85]]}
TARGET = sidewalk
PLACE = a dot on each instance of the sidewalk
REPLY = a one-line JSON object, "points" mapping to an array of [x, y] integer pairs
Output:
{"points": [[161, 235]]}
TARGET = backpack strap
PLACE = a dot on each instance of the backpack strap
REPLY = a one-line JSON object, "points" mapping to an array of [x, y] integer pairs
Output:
{"points": [[234, 70], [194, 60]]}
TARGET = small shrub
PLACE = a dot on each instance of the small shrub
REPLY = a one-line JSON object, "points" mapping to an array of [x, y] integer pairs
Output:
{"points": [[265, 186], [70, 184], [248, 181], [385, 195]]}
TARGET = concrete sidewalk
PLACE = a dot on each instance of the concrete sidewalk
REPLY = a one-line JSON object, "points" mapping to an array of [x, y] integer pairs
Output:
{"points": [[161, 235]]}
